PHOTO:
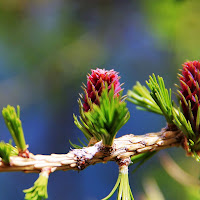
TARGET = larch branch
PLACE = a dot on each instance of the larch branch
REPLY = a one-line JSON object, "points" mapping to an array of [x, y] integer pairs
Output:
{"points": [[78, 159]]}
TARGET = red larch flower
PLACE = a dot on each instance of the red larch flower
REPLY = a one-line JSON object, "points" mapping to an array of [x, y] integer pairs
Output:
{"points": [[190, 91], [96, 82]]}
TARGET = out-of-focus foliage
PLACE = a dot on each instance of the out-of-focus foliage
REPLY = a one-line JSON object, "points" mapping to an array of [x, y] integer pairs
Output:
{"points": [[188, 183], [47, 45], [177, 25]]}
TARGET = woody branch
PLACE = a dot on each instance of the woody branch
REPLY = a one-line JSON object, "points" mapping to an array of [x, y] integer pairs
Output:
{"points": [[78, 159]]}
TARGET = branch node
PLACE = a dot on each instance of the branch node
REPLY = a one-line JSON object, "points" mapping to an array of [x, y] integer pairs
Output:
{"points": [[124, 162]]}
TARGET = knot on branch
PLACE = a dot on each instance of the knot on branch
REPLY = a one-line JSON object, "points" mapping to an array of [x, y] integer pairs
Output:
{"points": [[124, 162], [81, 162], [170, 127], [24, 153], [105, 151]]}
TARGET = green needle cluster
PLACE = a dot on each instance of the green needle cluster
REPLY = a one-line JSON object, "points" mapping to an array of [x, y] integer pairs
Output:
{"points": [[103, 121], [122, 184], [85, 124], [141, 96], [39, 190], [157, 100], [183, 124], [7, 150], [13, 122], [108, 117], [161, 96]]}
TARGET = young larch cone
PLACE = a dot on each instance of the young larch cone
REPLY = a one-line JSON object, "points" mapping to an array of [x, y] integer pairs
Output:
{"points": [[95, 84], [190, 92]]}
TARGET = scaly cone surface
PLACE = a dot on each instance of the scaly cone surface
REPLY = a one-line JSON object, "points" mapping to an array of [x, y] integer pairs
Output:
{"points": [[190, 93], [96, 82]]}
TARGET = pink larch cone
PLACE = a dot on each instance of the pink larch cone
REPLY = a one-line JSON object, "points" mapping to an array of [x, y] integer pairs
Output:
{"points": [[96, 82], [190, 92]]}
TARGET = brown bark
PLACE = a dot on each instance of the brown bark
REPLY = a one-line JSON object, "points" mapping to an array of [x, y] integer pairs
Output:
{"points": [[78, 159]]}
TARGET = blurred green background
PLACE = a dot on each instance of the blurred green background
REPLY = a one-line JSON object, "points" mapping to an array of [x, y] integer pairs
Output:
{"points": [[46, 49]]}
